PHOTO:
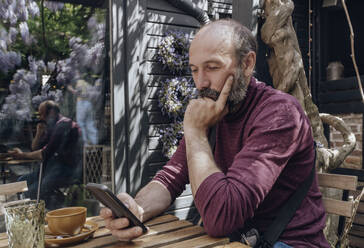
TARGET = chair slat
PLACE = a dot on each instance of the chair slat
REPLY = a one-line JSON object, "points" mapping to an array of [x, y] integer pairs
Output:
{"points": [[337, 181], [233, 245], [357, 233], [359, 219], [361, 207], [357, 230], [169, 226], [4, 243], [202, 241], [161, 219], [356, 241], [13, 188], [338, 207]]}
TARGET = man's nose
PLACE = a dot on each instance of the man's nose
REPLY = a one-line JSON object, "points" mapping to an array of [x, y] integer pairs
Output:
{"points": [[202, 81]]}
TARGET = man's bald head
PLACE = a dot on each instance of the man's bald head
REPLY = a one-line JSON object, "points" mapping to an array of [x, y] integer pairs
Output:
{"points": [[231, 31], [219, 49]]}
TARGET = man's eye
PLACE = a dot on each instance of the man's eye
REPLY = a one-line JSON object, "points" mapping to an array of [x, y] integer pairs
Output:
{"points": [[212, 68], [193, 70]]}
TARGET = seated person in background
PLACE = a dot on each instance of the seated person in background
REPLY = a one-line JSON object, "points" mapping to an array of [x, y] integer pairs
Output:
{"points": [[58, 144], [264, 149]]}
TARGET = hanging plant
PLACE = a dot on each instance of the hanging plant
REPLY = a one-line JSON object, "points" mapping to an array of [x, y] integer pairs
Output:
{"points": [[173, 100], [170, 136], [176, 92], [174, 97], [173, 52]]}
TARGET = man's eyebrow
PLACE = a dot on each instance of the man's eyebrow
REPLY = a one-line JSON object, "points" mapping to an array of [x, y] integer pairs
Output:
{"points": [[208, 62]]}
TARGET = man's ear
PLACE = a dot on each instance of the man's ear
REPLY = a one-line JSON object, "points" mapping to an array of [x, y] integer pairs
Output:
{"points": [[249, 64]]}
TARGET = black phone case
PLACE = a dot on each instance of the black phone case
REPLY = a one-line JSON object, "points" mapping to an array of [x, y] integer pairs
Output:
{"points": [[106, 197]]}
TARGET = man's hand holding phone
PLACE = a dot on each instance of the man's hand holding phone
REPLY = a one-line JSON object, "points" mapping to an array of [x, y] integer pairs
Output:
{"points": [[120, 227]]}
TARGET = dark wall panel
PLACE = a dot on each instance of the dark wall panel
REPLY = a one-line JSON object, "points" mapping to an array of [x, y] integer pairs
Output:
{"points": [[160, 18]]}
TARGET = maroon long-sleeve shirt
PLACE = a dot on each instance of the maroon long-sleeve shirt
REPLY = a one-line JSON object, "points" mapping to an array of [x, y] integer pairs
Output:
{"points": [[265, 151]]}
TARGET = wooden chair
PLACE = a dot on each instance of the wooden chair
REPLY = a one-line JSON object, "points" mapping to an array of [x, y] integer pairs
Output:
{"points": [[7, 190], [345, 208], [13, 188], [343, 182]]}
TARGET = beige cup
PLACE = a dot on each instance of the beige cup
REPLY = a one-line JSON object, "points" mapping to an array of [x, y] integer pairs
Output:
{"points": [[67, 221]]}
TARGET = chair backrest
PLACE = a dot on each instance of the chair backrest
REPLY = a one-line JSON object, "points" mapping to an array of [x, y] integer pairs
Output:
{"points": [[13, 188], [344, 182], [7, 190]]}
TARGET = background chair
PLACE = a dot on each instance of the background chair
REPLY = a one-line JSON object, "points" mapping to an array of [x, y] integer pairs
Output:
{"points": [[7, 193], [346, 208]]}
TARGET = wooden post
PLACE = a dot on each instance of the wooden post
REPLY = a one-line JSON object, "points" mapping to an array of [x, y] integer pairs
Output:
{"points": [[127, 22]]}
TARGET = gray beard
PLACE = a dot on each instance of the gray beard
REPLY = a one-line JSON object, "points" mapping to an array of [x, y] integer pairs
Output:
{"points": [[237, 93], [209, 93], [239, 88]]}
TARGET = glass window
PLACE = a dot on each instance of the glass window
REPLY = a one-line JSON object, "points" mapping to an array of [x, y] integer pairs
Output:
{"points": [[54, 98]]}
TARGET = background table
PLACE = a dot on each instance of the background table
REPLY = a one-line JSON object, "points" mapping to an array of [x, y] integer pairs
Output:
{"points": [[164, 231], [11, 162]]}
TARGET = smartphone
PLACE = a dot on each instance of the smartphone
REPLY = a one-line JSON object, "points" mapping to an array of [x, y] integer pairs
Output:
{"points": [[106, 197]]}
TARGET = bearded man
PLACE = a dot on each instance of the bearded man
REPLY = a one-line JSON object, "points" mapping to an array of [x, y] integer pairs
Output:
{"points": [[263, 152], [58, 145]]}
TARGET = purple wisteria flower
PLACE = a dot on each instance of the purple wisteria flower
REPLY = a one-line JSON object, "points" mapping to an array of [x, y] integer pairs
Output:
{"points": [[24, 76], [13, 11], [53, 6], [18, 103], [3, 39], [24, 32], [97, 56], [13, 32], [33, 9], [8, 60], [51, 66], [36, 65], [23, 10], [97, 29], [84, 57], [47, 94]]}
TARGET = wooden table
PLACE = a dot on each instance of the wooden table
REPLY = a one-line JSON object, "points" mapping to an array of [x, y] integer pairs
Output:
{"points": [[164, 231], [9, 162]]}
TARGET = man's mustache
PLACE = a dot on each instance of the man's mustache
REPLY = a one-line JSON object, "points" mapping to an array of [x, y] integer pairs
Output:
{"points": [[209, 93]]}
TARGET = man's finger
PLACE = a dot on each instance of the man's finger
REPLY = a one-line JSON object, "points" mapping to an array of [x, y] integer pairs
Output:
{"points": [[105, 213], [225, 92], [127, 234], [119, 223]]}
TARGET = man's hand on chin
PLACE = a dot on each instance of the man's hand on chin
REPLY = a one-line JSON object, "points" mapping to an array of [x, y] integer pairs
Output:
{"points": [[202, 113]]}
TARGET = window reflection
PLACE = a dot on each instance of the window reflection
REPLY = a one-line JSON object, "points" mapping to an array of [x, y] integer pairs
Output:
{"points": [[53, 52]]}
